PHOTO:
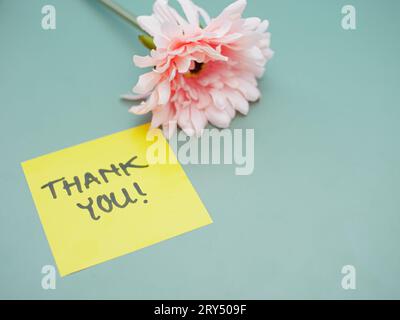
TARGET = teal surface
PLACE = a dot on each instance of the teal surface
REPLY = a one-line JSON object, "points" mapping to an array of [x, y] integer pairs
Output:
{"points": [[325, 190]]}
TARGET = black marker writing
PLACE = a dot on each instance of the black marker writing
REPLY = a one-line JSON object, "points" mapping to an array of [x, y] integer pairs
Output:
{"points": [[89, 178], [106, 203]]}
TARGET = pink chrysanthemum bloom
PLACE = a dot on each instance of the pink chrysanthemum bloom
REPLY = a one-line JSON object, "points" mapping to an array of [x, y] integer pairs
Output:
{"points": [[201, 74]]}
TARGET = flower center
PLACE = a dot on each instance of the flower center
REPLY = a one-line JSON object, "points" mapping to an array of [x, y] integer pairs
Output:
{"points": [[198, 67]]}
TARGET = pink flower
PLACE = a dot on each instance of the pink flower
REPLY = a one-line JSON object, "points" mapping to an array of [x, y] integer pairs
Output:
{"points": [[200, 74]]}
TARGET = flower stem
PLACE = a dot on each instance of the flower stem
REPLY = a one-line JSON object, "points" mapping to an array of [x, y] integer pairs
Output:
{"points": [[131, 18]]}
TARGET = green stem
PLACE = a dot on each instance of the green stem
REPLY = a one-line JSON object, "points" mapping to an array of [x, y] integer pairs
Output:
{"points": [[131, 18], [145, 39]]}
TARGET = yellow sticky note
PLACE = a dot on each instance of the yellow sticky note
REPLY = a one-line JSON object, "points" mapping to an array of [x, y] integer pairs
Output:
{"points": [[102, 199]]}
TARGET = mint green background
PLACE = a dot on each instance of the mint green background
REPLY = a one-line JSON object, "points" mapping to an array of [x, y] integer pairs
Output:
{"points": [[325, 191]]}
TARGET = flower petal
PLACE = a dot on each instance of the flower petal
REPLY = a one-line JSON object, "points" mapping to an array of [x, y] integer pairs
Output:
{"points": [[185, 122], [161, 115], [164, 92], [217, 117], [234, 11], [220, 99], [191, 12], [146, 106], [150, 24], [238, 102], [163, 12], [169, 128], [147, 82], [144, 62], [199, 120], [249, 91], [183, 64], [134, 97]]}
